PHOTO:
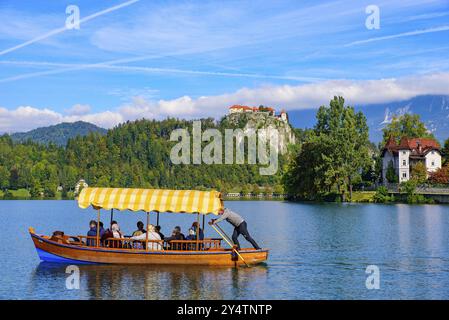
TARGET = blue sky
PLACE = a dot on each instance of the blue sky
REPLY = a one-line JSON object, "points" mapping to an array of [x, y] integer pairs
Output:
{"points": [[195, 58]]}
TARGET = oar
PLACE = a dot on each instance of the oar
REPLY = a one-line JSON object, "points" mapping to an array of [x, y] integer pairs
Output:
{"points": [[224, 233], [232, 246]]}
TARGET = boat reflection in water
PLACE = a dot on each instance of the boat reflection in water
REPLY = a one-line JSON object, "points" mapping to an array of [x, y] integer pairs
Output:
{"points": [[150, 282]]}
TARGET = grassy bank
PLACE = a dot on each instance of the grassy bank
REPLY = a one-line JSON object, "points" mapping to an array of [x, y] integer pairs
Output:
{"points": [[20, 193], [363, 196], [24, 194]]}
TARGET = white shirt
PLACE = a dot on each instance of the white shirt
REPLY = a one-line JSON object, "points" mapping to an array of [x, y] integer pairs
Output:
{"points": [[151, 236]]}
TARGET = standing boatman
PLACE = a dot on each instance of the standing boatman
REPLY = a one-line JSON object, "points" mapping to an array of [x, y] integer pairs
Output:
{"points": [[240, 226]]}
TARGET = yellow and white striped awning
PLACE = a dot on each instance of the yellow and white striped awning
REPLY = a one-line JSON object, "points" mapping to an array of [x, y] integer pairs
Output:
{"points": [[187, 201]]}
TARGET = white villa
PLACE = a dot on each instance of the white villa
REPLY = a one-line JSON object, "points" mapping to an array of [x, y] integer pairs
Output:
{"points": [[408, 153]]}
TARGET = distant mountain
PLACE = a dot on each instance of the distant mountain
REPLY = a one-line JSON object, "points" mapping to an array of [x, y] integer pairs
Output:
{"points": [[58, 134], [433, 110]]}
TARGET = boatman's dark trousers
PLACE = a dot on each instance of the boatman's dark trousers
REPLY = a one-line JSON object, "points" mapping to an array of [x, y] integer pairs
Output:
{"points": [[242, 229]]}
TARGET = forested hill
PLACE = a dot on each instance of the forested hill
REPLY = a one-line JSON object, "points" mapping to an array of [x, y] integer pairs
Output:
{"points": [[133, 154], [58, 134]]}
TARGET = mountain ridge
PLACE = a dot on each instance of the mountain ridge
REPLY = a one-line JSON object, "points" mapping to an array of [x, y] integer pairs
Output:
{"points": [[433, 110], [58, 134]]}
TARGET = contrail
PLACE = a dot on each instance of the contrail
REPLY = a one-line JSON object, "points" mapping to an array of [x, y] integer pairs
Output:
{"points": [[62, 29], [399, 35], [111, 65]]}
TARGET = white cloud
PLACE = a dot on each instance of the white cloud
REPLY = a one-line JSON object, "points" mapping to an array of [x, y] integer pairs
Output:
{"points": [[289, 97], [78, 110], [25, 118], [106, 119], [400, 35]]}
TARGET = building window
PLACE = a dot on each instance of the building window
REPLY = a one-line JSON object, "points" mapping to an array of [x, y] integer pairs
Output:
{"points": [[404, 162], [403, 152], [433, 152], [433, 163], [404, 175]]}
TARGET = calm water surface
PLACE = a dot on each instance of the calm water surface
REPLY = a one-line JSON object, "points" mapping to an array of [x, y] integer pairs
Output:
{"points": [[318, 251]]}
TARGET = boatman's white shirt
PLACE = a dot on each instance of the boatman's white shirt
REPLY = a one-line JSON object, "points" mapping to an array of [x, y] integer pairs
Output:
{"points": [[231, 217]]}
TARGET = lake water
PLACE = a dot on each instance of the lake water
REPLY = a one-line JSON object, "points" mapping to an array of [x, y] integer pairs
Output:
{"points": [[318, 251]]}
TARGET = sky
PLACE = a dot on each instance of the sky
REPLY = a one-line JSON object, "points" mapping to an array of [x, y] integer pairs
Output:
{"points": [[132, 59]]}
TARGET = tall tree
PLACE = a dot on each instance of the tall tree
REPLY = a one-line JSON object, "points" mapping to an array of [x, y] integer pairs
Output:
{"points": [[334, 155], [4, 178], [391, 174], [445, 151], [347, 135], [409, 125]]}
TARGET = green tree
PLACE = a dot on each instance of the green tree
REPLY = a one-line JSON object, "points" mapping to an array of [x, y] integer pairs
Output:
{"points": [[50, 189], [278, 189], [409, 125], [4, 178], [333, 155], [445, 151], [409, 187], [382, 195], [391, 174], [305, 178], [14, 178], [419, 172], [245, 189]]}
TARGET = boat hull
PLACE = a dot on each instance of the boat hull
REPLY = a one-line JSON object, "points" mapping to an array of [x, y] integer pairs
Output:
{"points": [[64, 253]]}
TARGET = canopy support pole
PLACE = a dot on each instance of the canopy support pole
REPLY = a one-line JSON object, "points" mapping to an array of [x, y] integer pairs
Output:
{"points": [[98, 228], [148, 229], [157, 220], [112, 218], [198, 232], [204, 218]]}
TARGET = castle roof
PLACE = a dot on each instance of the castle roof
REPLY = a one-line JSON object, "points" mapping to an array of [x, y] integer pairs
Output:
{"points": [[237, 106]]}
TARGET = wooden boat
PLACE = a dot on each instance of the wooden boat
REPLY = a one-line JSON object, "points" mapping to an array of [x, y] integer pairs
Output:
{"points": [[210, 251]]}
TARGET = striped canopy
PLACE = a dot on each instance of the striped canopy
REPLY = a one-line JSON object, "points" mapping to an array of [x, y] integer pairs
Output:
{"points": [[187, 201]]}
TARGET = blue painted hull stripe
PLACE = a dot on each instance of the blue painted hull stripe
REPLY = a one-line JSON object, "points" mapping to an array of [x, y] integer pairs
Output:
{"points": [[51, 257]]}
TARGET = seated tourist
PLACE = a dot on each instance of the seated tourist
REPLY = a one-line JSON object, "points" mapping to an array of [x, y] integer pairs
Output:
{"points": [[191, 235], [176, 235], [196, 226], [102, 231], [117, 234], [91, 233], [158, 230], [152, 235], [140, 229], [115, 228]]}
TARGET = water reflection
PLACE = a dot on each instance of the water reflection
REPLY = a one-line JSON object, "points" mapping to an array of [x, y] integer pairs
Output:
{"points": [[150, 282], [433, 225], [317, 251], [403, 225]]}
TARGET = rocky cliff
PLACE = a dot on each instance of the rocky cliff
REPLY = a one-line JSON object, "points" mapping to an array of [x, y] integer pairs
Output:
{"points": [[261, 120]]}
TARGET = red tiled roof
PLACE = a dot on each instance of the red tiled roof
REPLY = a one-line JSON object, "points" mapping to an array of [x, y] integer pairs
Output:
{"points": [[417, 146], [414, 143], [237, 106]]}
